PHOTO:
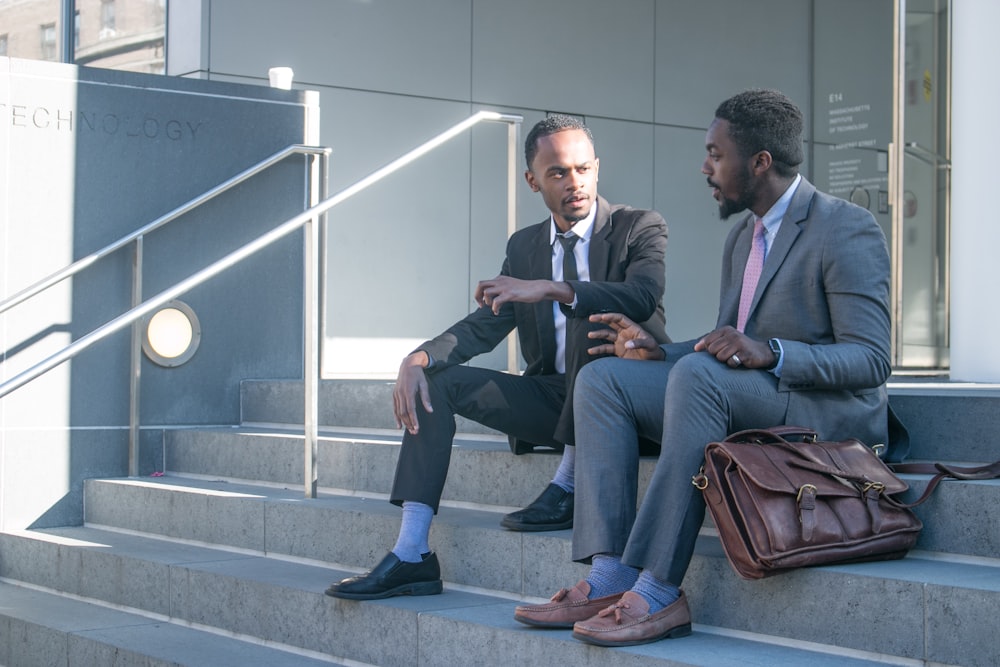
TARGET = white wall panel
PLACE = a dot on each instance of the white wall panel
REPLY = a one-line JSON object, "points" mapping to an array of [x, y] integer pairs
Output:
{"points": [[626, 153], [398, 252], [696, 234], [975, 356], [586, 57], [711, 49], [399, 46]]}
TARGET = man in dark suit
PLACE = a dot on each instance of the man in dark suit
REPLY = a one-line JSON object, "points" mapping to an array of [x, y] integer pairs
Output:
{"points": [[802, 338], [588, 257]]}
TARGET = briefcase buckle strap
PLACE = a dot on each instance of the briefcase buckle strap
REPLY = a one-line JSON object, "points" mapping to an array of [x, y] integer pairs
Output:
{"points": [[806, 499], [872, 491]]}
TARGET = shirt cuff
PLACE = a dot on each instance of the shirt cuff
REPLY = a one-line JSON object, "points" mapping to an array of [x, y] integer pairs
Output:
{"points": [[781, 361]]}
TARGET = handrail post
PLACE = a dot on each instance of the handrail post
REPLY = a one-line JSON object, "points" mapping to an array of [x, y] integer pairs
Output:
{"points": [[310, 327], [513, 130], [135, 363]]}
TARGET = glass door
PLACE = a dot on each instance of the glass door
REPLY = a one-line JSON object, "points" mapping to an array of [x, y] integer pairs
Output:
{"points": [[921, 217], [880, 139]]}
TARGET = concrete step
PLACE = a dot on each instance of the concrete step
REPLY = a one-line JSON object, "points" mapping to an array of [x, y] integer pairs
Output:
{"points": [[947, 421], [959, 518], [342, 403], [483, 471], [42, 629], [912, 608], [277, 600]]}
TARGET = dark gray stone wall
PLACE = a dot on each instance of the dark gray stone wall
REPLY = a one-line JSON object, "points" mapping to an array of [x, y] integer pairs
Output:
{"points": [[89, 156]]}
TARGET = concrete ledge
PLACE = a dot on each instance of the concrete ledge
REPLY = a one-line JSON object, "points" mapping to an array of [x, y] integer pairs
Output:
{"points": [[282, 601], [879, 607], [38, 628], [948, 421], [957, 518]]}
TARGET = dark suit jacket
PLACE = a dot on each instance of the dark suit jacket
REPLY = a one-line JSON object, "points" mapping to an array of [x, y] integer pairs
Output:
{"points": [[627, 275]]}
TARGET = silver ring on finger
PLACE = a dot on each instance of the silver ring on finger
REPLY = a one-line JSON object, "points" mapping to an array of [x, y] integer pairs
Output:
{"points": [[736, 360]]}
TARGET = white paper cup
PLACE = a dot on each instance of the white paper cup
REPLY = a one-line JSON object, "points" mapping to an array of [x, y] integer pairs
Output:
{"points": [[280, 77]]}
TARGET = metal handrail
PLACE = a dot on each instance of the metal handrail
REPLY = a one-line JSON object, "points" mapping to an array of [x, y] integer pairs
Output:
{"points": [[310, 317], [72, 269]]}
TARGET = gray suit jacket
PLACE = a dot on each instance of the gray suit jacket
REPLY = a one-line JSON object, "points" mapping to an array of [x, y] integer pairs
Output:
{"points": [[824, 293]]}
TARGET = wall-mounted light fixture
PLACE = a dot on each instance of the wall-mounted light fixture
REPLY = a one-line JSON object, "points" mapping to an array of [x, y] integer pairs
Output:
{"points": [[171, 335]]}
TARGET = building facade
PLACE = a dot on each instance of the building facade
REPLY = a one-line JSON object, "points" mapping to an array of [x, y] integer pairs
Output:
{"points": [[881, 82]]}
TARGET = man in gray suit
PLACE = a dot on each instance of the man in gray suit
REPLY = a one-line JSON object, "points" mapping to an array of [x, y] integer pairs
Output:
{"points": [[802, 338]]}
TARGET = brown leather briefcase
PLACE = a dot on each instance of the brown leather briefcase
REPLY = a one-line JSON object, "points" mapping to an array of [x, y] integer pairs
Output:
{"points": [[782, 499]]}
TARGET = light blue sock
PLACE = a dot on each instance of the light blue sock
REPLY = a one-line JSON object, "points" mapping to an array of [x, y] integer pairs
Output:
{"points": [[564, 474], [414, 532], [608, 575], [658, 594]]}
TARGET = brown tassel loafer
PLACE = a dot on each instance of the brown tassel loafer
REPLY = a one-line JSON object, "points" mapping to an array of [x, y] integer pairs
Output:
{"points": [[565, 608], [628, 623]]}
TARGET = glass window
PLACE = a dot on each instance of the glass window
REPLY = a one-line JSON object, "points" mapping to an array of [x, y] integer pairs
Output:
{"points": [[49, 47], [22, 24], [116, 34], [107, 19], [122, 34]]}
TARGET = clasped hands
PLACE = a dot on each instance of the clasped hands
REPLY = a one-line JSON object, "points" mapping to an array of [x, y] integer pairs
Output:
{"points": [[626, 339]]}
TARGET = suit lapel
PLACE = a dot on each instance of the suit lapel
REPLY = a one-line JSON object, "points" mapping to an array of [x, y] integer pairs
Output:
{"points": [[730, 298], [540, 268], [600, 248], [798, 210]]}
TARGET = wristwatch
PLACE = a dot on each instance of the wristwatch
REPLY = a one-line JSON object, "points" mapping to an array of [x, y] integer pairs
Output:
{"points": [[776, 351]]}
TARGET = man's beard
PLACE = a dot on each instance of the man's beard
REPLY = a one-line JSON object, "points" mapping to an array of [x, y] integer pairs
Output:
{"points": [[743, 201]]}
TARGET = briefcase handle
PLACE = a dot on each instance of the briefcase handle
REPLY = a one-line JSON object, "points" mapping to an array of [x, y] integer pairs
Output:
{"points": [[774, 434]]}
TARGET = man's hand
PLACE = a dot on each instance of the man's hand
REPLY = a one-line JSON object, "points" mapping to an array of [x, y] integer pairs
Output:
{"points": [[735, 349], [409, 382], [624, 338], [500, 290]]}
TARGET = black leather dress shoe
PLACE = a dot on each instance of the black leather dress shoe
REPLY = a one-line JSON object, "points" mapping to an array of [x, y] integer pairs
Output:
{"points": [[553, 510], [392, 577]]}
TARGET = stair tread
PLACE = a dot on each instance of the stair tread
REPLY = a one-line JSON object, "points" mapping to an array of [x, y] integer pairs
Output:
{"points": [[111, 632], [476, 617], [930, 567], [897, 607]]}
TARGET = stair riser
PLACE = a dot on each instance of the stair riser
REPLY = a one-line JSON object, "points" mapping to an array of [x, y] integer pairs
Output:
{"points": [[943, 425], [354, 532], [42, 629], [840, 606], [865, 598], [283, 602], [958, 518]]}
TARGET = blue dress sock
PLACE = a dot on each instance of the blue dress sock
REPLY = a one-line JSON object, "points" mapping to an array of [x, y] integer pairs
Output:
{"points": [[564, 474], [608, 575], [659, 594], [414, 532]]}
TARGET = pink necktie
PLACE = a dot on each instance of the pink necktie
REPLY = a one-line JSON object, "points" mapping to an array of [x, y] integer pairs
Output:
{"points": [[751, 274]]}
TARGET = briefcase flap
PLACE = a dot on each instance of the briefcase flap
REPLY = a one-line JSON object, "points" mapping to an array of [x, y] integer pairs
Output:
{"points": [[844, 468]]}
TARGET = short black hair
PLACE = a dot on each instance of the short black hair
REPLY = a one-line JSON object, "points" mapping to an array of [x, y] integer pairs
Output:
{"points": [[765, 120], [550, 125]]}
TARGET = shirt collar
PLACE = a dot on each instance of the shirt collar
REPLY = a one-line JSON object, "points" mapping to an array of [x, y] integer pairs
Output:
{"points": [[772, 219], [583, 228]]}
